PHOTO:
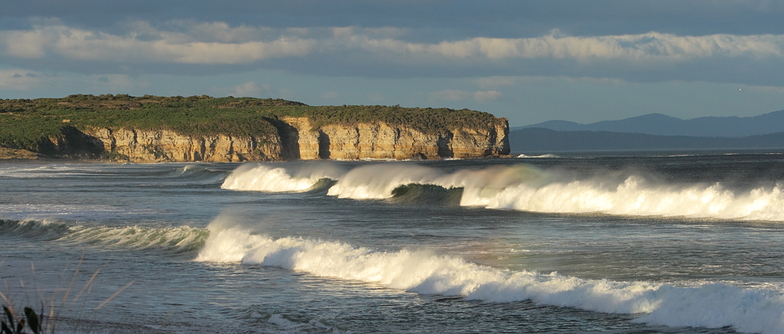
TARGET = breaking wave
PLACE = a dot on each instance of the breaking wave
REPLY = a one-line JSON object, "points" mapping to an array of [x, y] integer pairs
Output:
{"points": [[709, 304], [34, 229], [526, 188], [543, 156], [268, 178], [182, 239]]}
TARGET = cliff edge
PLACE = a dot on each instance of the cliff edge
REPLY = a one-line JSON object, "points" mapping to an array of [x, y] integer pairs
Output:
{"points": [[302, 142], [154, 129]]}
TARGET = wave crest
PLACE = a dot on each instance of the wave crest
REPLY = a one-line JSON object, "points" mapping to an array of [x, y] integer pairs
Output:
{"points": [[709, 305], [635, 196], [35, 229], [181, 239], [523, 187], [268, 178]]}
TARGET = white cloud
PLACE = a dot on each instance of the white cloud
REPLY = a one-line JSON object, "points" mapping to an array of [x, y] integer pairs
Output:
{"points": [[630, 47], [487, 95], [25, 44], [218, 43], [167, 47]]}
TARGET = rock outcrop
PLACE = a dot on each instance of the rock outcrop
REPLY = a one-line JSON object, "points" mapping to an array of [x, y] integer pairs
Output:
{"points": [[383, 141], [299, 139], [165, 145]]}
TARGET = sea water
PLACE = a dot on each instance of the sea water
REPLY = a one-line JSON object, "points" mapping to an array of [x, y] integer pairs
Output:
{"points": [[580, 243]]}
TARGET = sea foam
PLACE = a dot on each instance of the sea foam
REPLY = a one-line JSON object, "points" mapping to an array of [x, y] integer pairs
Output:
{"points": [[709, 305], [269, 178], [526, 188]]}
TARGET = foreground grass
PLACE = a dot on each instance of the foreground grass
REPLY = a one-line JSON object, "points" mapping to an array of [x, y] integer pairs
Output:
{"points": [[30, 321], [19, 325]]}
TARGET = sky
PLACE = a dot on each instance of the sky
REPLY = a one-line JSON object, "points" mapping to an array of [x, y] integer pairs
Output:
{"points": [[527, 60]]}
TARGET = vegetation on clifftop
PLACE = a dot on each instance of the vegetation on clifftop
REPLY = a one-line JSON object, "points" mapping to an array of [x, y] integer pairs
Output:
{"points": [[26, 123]]}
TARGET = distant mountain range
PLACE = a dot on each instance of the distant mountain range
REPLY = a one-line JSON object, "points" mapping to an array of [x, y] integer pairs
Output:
{"points": [[653, 132], [546, 140], [663, 125]]}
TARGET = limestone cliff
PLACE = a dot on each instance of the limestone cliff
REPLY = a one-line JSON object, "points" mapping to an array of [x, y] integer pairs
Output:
{"points": [[299, 139], [383, 141], [165, 145]]}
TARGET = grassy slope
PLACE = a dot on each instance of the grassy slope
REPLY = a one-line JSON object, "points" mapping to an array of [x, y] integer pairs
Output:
{"points": [[23, 123]]}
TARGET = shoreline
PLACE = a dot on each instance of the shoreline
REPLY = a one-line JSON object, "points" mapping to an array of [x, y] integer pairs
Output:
{"points": [[11, 155]]}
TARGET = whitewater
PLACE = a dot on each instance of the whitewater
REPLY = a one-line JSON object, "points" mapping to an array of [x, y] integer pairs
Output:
{"points": [[655, 243], [526, 188]]}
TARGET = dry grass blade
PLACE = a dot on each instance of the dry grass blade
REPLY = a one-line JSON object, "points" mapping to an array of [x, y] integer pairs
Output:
{"points": [[114, 295]]}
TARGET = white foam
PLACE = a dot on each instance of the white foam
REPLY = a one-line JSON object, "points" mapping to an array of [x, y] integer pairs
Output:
{"points": [[378, 180], [711, 305], [543, 156], [269, 178], [634, 196], [526, 188]]}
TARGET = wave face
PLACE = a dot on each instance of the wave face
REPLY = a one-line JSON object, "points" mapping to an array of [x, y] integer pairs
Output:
{"points": [[527, 188], [710, 305], [34, 229], [181, 239], [426, 194]]}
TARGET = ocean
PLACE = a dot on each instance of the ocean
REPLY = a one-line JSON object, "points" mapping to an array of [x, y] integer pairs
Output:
{"points": [[654, 242]]}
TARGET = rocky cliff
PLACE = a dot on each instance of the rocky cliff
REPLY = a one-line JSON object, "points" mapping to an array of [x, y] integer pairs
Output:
{"points": [[166, 145], [297, 138]]}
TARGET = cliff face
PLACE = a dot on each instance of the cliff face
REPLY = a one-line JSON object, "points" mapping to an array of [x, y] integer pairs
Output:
{"points": [[298, 139], [165, 145], [383, 141]]}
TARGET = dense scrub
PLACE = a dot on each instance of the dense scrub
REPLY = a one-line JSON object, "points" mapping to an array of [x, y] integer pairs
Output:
{"points": [[27, 123]]}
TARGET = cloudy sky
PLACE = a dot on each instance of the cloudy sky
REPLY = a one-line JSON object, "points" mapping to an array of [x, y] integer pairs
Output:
{"points": [[529, 61]]}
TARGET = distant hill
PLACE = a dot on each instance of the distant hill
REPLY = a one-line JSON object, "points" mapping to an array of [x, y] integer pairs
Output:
{"points": [[546, 140], [663, 125]]}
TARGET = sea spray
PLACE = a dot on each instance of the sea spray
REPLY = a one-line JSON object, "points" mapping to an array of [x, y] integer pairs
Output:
{"points": [[377, 181], [526, 188], [635, 196], [710, 305], [271, 178]]}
